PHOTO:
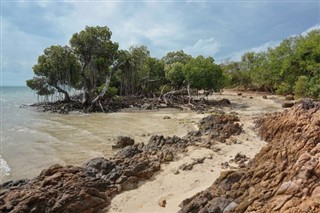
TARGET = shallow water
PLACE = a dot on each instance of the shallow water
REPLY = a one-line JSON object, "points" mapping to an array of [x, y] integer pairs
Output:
{"points": [[31, 141]]}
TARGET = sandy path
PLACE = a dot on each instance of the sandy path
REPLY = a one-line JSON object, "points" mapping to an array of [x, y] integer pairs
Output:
{"points": [[176, 187]]}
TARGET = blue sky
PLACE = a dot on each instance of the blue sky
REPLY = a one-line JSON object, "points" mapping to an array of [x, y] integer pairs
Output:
{"points": [[221, 29]]}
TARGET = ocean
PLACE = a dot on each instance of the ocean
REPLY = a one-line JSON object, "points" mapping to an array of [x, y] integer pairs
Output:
{"points": [[32, 141]]}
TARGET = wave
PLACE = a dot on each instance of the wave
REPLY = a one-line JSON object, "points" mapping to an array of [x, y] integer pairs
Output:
{"points": [[4, 168]]}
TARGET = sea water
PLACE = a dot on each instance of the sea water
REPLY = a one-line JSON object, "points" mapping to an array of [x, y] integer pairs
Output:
{"points": [[32, 141], [15, 123]]}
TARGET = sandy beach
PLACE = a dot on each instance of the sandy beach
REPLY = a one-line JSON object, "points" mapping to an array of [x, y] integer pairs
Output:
{"points": [[174, 185]]}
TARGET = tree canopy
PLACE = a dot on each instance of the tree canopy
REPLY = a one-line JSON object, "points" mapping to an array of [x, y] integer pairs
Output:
{"points": [[98, 56], [292, 67], [57, 70], [95, 65]]}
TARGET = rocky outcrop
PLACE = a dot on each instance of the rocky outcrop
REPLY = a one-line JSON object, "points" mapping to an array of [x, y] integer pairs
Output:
{"points": [[287, 104], [220, 127], [123, 141], [283, 177], [91, 187], [77, 189]]}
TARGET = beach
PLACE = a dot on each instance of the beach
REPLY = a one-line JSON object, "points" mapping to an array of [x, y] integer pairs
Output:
{"points": [[174, 188]]}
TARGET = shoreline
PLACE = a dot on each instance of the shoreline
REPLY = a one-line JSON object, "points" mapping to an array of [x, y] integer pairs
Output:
{"points": [[173, 187], [161, 155], [70, 138]]}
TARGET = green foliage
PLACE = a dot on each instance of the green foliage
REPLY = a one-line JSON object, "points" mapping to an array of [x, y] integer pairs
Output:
{"points": [[57, 68], [301, 87], [90, 42], [314, 88], [173, 65], [39, 84], [156, 75], [134, 71], [98, 56], [93, 59], [174, 73], [111, 92], [284, 88], [279, 69], [178, 56], [203, 73]]}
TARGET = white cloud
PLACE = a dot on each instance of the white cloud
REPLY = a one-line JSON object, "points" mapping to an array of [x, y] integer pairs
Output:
{"points": [[264, 47], [199, 28], [315, 27], [19, 52], [205, 47], [146, 23]]}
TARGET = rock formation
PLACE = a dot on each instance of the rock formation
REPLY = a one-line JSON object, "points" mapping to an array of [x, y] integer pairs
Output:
{"points": [[283, 177], [91, 187], [123, 141]]}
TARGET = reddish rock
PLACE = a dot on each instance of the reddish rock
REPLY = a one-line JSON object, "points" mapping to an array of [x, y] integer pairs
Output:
{"points": [[91, 187], [283, 177]]}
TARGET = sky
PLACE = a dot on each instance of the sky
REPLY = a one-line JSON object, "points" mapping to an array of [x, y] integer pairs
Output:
{"points": [[220, 29]]}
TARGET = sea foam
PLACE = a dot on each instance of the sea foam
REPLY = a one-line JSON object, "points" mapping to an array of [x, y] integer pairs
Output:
{"points": [[4, 168]]}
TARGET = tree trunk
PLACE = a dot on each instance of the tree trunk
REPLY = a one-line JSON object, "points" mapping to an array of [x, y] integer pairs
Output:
{"points": [[162, 91], [173, 92], [66, 94], [104, 90], [86, 88], [188, 89]]}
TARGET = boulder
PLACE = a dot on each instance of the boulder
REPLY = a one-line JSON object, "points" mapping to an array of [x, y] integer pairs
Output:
{"points": [[287, 104], [123, 141], [289, 97]]}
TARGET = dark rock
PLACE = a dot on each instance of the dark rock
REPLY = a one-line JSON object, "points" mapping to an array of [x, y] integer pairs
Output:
{"points": [[287, 104], [186, 166], [220, 127], [16, 183], [99, 166], [289, 97], [225, 101], [162, 202], [91, 187], [128, 152], [123, 141], [130, 183]]}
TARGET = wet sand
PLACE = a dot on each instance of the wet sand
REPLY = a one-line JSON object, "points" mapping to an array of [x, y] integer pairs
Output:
{"points": [[76, 138]]}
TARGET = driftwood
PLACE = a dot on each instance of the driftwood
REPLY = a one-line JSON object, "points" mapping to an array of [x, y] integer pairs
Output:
{"points": [[175, 99], [159, 99], [169, 95]]}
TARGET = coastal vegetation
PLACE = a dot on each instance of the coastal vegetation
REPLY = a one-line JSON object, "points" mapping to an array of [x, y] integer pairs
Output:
{"points": [[292, 67], [94, 65]]}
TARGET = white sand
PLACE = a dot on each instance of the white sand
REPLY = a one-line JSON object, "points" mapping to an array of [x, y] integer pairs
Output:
{"points": [[174, 188]]}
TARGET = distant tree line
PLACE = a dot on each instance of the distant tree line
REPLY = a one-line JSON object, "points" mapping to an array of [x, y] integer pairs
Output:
{"points": [[293, 67], [95, 65]]}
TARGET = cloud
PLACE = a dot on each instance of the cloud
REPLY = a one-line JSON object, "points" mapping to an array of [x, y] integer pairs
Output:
{"points": [[219, 29], [19, 53], [315, 27], [264, 47], [205, 47]]}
